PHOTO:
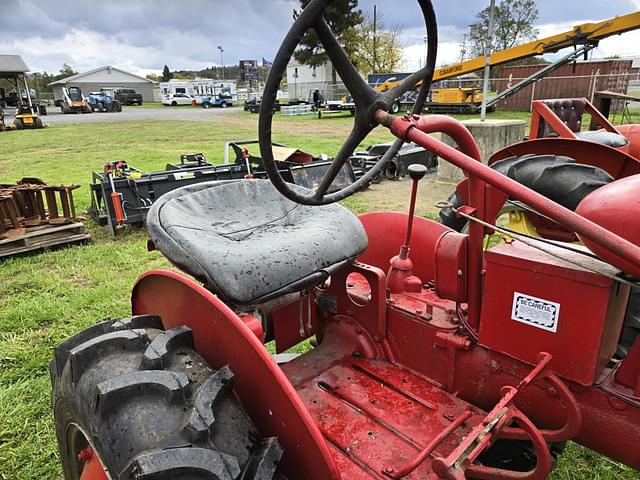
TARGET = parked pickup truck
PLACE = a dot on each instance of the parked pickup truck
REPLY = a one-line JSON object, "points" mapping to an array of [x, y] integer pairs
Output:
{"points": [[101, 102], [128, 96]]}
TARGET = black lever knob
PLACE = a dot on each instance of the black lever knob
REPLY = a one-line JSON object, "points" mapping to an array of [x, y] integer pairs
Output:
{"points": [[417, 171]]}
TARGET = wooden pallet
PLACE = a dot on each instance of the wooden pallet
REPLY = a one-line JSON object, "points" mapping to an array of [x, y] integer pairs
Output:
{"points": [[44, 236]]}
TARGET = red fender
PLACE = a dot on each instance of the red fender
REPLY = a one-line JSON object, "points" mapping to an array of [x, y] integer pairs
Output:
{"points": [[222, 338], [632, 133]]}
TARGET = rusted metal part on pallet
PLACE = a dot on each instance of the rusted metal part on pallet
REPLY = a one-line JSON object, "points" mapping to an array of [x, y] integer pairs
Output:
{"points": [[27, 204]]}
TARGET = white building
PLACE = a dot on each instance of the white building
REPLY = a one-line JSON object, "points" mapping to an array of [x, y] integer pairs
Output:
{"points": [[105, 78], [302, 80]]}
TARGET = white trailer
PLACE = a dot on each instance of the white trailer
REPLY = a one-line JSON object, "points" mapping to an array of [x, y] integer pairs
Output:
{"points": [[200, 89]]}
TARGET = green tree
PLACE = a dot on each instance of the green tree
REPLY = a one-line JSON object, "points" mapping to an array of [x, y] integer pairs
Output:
{"points": [[342, 16], [65, 71], [513, 24], [166, 74], [378, 49]]}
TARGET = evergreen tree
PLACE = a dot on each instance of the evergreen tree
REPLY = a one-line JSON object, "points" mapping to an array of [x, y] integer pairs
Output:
{"points": [[342, 16], [166, 74]]}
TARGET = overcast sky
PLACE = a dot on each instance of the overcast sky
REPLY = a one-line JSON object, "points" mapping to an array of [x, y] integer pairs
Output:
{"points": [[143, 35]]}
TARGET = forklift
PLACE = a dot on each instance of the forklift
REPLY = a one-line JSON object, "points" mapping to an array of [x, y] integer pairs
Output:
{"points": [[13, 70]]}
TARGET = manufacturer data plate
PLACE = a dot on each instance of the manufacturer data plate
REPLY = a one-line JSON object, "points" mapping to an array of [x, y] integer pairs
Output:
{"points": [[534, 311]]}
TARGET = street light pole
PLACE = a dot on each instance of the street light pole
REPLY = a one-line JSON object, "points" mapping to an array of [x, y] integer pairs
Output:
{"points": [[375, 38], [487, 62], [425, 51], [221, 59]]}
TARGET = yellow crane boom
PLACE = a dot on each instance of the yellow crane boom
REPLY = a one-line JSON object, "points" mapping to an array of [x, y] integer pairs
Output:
{"points": [[584, 34], [579, 35]]}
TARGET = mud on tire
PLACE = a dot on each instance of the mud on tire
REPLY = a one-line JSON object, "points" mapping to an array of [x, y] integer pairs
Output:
{"points": [[151, 407]]}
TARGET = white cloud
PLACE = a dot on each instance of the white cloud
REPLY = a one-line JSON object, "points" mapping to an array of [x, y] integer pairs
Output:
{"points": [[86, 50]]}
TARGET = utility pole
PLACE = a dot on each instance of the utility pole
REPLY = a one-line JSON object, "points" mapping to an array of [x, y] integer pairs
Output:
{"points": [[487, 62], [463, 48], [425, 51], [221, 59], [375, 38]]}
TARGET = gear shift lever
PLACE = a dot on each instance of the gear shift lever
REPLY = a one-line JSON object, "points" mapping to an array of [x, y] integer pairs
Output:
{"points": [[400, 277]]}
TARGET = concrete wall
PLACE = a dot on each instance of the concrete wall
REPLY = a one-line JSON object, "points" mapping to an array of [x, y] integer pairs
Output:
{"points": [[490, 135]]}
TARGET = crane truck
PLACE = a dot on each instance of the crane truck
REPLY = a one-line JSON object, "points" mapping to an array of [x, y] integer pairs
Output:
{"points": [[583, 38]]}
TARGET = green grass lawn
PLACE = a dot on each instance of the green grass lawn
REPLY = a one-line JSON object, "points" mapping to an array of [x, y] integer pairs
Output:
{"points": [[47, 297]]}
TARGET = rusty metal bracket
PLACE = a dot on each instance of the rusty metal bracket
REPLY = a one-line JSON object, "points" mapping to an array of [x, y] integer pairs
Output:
{"points": [[498, 425]]}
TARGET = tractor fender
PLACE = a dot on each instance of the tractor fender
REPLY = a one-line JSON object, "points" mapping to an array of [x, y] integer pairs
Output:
{"points": [[615, 207], [222, 338], [632, 133]]}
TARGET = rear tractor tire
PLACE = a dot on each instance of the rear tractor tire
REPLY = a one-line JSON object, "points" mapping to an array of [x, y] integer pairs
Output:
{"points": [[558, 178], [151, 408]]}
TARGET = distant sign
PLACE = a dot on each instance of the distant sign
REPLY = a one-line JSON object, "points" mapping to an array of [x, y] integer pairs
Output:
{"points": [[248, 70]]}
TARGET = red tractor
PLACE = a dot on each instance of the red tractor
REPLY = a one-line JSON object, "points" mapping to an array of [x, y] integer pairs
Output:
{"points": [[432, 357]]}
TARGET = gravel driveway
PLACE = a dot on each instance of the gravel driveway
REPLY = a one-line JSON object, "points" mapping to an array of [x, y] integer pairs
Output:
{"points": [[131, 113]]}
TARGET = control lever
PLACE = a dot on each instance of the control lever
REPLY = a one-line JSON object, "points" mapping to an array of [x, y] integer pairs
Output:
{"points": [[400, 277]]}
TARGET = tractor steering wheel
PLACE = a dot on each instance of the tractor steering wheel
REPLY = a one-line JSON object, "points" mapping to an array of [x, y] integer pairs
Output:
{"points": [[367, 102]]}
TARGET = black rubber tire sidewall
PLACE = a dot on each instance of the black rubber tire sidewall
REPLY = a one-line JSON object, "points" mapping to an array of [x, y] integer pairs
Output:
{"points": [[104, 384]]}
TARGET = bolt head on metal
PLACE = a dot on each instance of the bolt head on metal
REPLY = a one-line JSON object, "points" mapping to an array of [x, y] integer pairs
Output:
{"points": [[417, 171]]}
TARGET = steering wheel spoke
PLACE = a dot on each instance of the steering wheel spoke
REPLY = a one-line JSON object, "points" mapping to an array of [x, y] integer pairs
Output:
{"points": [[354, 139], [407, 84], [360, 90]]}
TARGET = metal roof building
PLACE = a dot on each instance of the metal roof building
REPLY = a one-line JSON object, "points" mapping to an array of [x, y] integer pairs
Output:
{"points": [[107, 78], [13, 70], [12, 65]]}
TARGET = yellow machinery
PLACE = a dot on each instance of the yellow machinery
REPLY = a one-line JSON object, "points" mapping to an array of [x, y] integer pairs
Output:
{"points": [[454, 100], [13, 69], [582, 37], [456, 95], [74, 101]]}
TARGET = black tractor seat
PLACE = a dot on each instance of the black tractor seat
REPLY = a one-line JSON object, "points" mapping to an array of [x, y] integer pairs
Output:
{"points": [[247, 243], [610, 139]]}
